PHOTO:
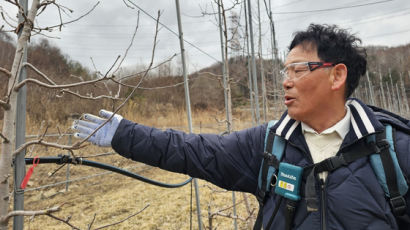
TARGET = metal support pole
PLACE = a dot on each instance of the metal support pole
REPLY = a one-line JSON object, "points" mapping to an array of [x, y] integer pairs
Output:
{"points": [[227, 96], [20, 165], [70, 137], [225, 73], [249, 68], [275, 58], [255, 81], [188, 105], [261, 69]]}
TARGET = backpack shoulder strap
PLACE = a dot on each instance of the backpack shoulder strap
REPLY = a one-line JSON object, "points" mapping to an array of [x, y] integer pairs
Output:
{"points": [[388, 171], [273, 153]]}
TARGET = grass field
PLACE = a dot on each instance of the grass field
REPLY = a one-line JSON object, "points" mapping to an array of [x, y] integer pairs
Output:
{"points": [[112, 197]]}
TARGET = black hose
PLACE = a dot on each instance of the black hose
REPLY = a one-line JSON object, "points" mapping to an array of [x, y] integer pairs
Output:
{"points": [[65, 159]]}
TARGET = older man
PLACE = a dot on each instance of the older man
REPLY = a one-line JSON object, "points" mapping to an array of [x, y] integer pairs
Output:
{"points": [[322, 69]]}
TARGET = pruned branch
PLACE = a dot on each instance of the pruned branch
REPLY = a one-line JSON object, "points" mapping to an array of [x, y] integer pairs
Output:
{"points": [[39, 73], [92, 222], [4, 138], [149, 88], [160, 64], [227, 215], [131, 43], [5, 71], [48, 211], [78, 77], [63, 91], [78, 144], [44, 143], [49, 28], [5, 105], [52, 86], [118, 222], [67, 221]]}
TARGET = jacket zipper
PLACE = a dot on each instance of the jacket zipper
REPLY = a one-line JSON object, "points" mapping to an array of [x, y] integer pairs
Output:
{"points": [[323, 203]]}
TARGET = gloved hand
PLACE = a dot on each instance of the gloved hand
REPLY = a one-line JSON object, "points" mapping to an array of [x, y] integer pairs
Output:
{"points": [[104, 135]]}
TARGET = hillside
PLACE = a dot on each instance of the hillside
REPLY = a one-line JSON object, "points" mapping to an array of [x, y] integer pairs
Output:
{"points": [[205, 85], [111, 197]]}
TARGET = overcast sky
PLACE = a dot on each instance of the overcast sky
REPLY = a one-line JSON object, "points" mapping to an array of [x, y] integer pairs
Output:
{"points": [[107, 31]]}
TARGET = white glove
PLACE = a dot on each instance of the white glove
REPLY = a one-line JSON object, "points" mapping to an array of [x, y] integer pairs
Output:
{"points": [[104, 135]]}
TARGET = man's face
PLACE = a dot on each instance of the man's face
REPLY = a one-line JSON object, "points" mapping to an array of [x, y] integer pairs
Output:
{"points": [[307, 95]]}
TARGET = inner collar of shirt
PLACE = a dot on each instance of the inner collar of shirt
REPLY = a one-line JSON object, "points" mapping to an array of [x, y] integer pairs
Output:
{"points": [[341, 127]]}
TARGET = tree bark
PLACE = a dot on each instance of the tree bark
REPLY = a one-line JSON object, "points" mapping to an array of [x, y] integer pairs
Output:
{"points": [[9, 123]]}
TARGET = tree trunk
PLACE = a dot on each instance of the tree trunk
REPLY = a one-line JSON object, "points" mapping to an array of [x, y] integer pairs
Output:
{"points": [[9, 123]]}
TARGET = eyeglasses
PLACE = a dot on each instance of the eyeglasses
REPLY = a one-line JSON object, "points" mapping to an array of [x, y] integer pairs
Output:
{"points": [[301, 69]]}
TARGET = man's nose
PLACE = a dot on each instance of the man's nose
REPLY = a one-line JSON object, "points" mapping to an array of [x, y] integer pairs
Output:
{"points": [[287, 83]]}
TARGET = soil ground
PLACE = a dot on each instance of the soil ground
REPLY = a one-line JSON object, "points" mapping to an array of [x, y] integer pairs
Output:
{"points": [[99, 198]]}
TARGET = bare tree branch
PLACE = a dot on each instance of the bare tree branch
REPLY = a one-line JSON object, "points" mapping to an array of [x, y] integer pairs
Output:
{"points": [[118, 222], [49, 28], [78, 77], [52, 86], [92, 222], [5, 219], [39, 72], [160, 64], [115, 62], [228, 215], [5, 71], [63, 91], [131, 43], [126, 4], [126, 53], [4, 138], [5, 105], [78, 144], [229, 207], [67, 221], [210, 73], [146, 88], [44, 143]]}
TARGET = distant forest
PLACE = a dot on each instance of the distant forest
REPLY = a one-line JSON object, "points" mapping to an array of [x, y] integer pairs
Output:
{"points": [[390, 64]]}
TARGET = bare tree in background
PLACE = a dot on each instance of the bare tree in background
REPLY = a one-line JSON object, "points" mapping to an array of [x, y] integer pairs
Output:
{"points": [[8, 103]]}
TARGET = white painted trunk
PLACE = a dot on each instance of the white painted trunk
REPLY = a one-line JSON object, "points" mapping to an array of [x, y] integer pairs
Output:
{"points": [[9, 122]]}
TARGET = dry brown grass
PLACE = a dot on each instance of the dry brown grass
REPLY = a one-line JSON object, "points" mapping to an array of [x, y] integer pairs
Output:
{"points": [[113, 197]]}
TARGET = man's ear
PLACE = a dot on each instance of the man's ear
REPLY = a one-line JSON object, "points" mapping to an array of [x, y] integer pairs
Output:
{"points": [[339, 76]]}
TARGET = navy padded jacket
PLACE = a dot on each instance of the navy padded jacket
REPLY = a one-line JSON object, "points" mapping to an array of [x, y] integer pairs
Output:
{"points": [[350, 198]]}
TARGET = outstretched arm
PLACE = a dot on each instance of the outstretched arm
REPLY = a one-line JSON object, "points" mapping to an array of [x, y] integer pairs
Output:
{"points": [[231, 162]]}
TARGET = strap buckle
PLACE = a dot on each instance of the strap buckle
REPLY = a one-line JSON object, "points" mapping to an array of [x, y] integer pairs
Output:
{"points": [[382, 144], [271, 160], [398, 205], [335, 162]]}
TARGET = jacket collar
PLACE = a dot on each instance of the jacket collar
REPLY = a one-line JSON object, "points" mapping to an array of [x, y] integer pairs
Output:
{"points": [[363, 122]]}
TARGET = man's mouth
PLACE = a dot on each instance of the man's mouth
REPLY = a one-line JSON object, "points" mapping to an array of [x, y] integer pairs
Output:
{"points": [[289, 100]]}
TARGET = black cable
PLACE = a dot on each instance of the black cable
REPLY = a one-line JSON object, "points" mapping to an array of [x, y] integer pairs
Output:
{"points": [[331, 9], [169, 29], [65, 159]]}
